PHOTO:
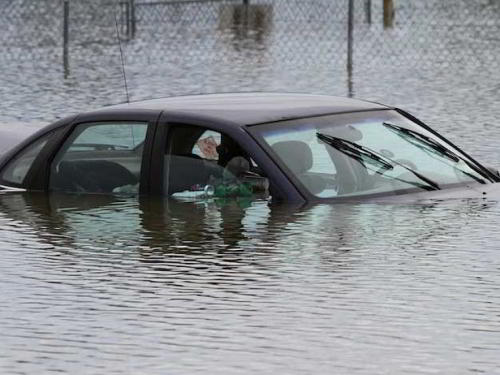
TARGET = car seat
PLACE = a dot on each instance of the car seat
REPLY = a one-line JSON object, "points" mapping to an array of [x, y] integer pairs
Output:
{"points": [[352, 175], [298, 157], [92, 176], [185, 172]]}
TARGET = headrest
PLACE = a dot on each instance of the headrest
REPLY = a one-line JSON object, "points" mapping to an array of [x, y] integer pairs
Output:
{"points": [[347, 132], [236, 167], [297, 155]]}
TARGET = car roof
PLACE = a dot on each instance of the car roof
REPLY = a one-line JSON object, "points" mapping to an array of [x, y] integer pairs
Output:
{"points": [[231, 109], [251, 108]]}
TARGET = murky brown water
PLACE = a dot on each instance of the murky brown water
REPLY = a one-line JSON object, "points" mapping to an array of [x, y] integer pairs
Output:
{"points": [[125, 286]]}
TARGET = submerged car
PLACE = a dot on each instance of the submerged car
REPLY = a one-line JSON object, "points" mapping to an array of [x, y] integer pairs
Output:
{"points": [[291, 147]]}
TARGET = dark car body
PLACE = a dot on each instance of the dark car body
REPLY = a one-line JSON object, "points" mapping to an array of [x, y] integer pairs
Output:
{"points": [[237, 116]]}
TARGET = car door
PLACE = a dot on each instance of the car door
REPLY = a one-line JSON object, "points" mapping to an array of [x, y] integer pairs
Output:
{"points": [[192, 153], [101, 152]]}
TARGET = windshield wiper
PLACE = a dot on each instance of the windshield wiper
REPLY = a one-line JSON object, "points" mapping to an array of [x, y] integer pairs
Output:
{"points": [[423, 139], [364, 154], [355, 151], [434, 147]]}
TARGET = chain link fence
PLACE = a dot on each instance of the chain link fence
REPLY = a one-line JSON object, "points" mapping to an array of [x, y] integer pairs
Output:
{"points": [[301, 32]]}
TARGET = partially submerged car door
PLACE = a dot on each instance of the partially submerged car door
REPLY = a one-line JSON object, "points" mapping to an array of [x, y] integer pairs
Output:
{"points": [[199, 157], [100, 152]]}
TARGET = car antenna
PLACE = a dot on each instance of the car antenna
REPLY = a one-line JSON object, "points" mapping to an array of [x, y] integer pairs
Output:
{"points": [[121, 58]]}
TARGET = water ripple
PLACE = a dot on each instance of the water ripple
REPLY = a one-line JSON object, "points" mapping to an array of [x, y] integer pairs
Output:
{"points": [[363, 288]]}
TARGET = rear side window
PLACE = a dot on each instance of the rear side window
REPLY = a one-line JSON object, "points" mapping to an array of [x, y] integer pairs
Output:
{"points": [[100, 158], [17, 169]]}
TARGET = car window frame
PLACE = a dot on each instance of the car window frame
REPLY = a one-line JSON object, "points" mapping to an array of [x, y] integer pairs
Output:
{"points": [[38, 178], [282, 188]]}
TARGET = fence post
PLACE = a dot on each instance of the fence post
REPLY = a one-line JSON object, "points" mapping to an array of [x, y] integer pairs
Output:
{"points": [[126, 20], [132, 18], [350, 26], [368, 11], [388, 13], [66, 38]]}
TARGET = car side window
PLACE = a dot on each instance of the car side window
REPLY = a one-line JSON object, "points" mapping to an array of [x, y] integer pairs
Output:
{"points": [[18, 168], [200, 162], [100, 158]]}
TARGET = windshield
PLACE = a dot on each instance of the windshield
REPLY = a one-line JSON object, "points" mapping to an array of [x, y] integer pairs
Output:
{"points": [[364, 153]]}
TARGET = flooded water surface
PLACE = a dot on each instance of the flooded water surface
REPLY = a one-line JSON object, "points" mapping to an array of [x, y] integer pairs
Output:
{"points": [[93, 285], [127, 286]]}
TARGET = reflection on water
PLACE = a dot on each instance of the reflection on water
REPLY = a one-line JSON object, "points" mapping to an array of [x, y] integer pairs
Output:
{"points": [[108, 285], [249, 25]]}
